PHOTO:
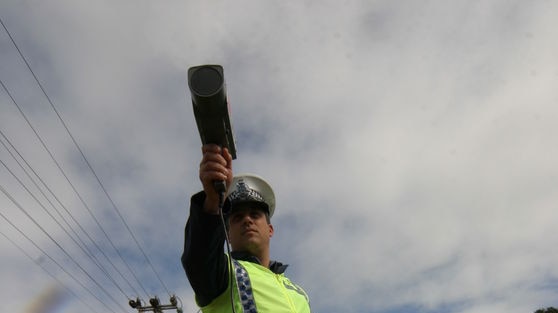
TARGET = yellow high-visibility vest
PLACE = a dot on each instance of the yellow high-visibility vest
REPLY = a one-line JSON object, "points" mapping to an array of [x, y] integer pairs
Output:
{"points": [[261, 291]]}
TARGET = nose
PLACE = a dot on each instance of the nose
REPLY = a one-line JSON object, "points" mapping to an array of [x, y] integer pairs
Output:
{"points": [[246, 218]]}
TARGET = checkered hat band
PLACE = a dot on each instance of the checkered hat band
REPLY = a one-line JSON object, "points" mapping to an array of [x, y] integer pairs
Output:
{"points": [[243, 192], [245, 195]]}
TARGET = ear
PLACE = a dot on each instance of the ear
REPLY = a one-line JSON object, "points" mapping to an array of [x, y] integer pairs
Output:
{"points": [[271, 231]]}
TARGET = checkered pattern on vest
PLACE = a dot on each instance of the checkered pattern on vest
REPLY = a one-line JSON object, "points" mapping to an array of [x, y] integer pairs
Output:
{"points": [[244, 288]]}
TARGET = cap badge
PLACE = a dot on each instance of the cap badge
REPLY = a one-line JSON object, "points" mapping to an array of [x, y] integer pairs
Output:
{"points": [[244, 193]]}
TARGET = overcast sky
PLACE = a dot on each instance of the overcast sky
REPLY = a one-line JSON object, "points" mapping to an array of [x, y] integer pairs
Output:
{"points": [[411, 145]]}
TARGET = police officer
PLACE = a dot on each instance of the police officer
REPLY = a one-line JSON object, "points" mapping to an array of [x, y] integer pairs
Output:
{"points": [[249, 281]]}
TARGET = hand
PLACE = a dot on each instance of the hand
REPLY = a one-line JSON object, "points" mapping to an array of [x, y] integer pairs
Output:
{"points": [[216, 164]]}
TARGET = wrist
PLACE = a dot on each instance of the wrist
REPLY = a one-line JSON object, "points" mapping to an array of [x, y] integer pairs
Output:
{"points": [[211, 205]]}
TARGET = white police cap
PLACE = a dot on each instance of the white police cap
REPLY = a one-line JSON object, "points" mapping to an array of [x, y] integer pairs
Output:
{"points": [[250, 188]]}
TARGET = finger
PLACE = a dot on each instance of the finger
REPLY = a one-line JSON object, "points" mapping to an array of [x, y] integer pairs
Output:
{"points": [[213, 167], [228, 157], [229, 171], [212, 162], [213, 157], [207, 177], [211, 147]]}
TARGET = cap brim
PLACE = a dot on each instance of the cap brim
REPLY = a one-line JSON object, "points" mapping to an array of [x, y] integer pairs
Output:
{"points": [[236, 205]]}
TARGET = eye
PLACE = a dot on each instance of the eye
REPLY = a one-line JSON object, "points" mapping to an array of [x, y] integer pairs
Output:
{"points": [[236, 218]]}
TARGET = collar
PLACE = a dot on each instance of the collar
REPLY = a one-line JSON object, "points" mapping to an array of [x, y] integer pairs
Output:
{"points": [[274, 266]]}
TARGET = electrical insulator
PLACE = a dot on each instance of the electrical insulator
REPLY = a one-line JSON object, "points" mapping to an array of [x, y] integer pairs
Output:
{"points": [[134, 304], [154, 302]]}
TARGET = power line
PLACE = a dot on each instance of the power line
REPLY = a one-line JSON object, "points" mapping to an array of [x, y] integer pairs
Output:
{"points": [[54, 261], [87, 253], [70, 183], [20, 248], [20, 207], [82, 246], [86, 161], [34, 182], [65, 208]]}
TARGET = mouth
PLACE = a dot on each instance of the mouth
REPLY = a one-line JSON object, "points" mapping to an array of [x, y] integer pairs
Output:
{"points": [[249, 231]]}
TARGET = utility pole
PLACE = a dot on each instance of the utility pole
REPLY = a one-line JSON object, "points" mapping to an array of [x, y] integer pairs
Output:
{"points": [[156, 306]]}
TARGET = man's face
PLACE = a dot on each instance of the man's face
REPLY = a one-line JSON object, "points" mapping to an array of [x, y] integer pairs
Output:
{"points": [[249, 230]]}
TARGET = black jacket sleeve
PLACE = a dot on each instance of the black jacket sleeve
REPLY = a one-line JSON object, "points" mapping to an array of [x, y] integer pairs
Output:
{"points": [[203, 259]]}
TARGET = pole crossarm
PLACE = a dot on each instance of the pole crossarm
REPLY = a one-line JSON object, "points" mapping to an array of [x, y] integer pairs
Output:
{"points": [[155, 305]]}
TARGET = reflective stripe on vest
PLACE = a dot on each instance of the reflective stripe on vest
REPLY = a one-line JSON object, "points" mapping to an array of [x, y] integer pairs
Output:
{"points": [[244, 288]]}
